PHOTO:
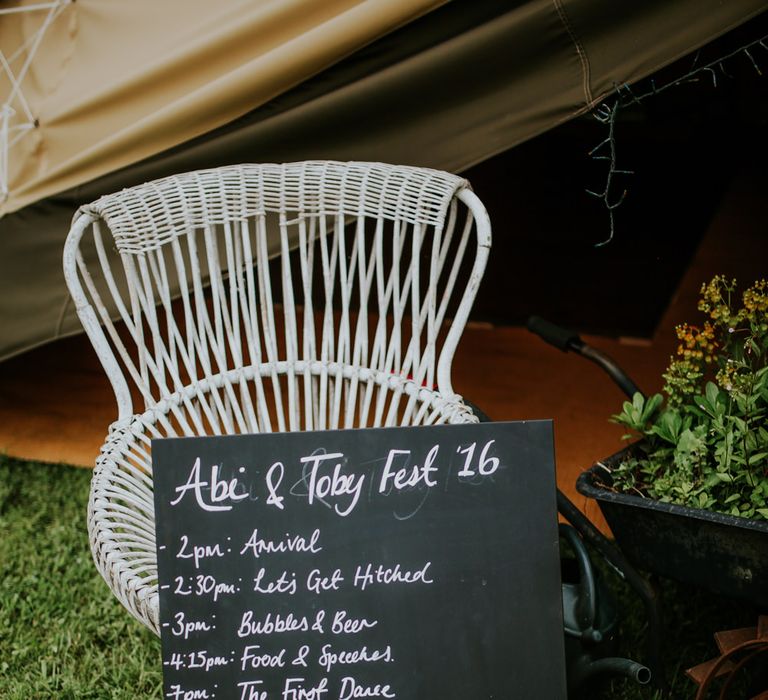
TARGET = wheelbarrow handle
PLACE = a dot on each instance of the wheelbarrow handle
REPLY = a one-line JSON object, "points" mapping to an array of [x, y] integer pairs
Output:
{"points": [[565, 340]]}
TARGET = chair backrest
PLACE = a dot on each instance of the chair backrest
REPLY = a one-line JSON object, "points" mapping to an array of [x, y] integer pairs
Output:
{"points": [[175, 287]]}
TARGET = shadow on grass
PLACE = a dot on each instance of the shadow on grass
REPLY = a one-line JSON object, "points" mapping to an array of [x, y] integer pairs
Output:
{"points": [[691, 617]]}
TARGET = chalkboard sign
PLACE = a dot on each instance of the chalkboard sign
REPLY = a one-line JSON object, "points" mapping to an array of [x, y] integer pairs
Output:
{"points": [[410, 563]]}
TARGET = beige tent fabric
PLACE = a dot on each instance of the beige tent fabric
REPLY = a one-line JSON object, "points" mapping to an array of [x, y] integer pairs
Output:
{"points": [[114, 81], [468, 80]]}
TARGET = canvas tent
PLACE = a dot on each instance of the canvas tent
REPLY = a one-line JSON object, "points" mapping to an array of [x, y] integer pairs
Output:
{"points": [[119, 93]]}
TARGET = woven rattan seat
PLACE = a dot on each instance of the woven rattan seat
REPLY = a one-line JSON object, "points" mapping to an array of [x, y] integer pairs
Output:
{"points": [[259, 298]]}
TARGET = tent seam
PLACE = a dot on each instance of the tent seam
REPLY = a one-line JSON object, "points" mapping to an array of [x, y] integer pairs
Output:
{"points": [[580, 51]]}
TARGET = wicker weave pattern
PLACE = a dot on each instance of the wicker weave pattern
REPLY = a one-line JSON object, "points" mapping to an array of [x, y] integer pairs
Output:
{"points": [[121, 507], [347, 326], [147, 216]]}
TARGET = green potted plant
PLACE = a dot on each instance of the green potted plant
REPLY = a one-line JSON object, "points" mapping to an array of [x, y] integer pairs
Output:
{"points": [[689, 498]]}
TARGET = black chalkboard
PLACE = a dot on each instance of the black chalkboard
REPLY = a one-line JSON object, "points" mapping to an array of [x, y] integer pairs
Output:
{"points": [[410, 563]]}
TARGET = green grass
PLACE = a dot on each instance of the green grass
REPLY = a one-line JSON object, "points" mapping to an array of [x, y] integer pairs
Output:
{"points": [[64, 636]]}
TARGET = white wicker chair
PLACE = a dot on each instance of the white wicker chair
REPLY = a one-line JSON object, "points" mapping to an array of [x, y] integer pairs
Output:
{"points": [[354, 334]]}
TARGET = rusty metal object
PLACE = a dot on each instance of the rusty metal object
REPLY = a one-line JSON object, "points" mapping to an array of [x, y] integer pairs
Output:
{"points": [[738, 649]]}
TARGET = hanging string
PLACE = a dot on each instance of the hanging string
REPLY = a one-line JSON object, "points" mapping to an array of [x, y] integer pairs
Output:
{"points": [[623, 96], [607, 115]]}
